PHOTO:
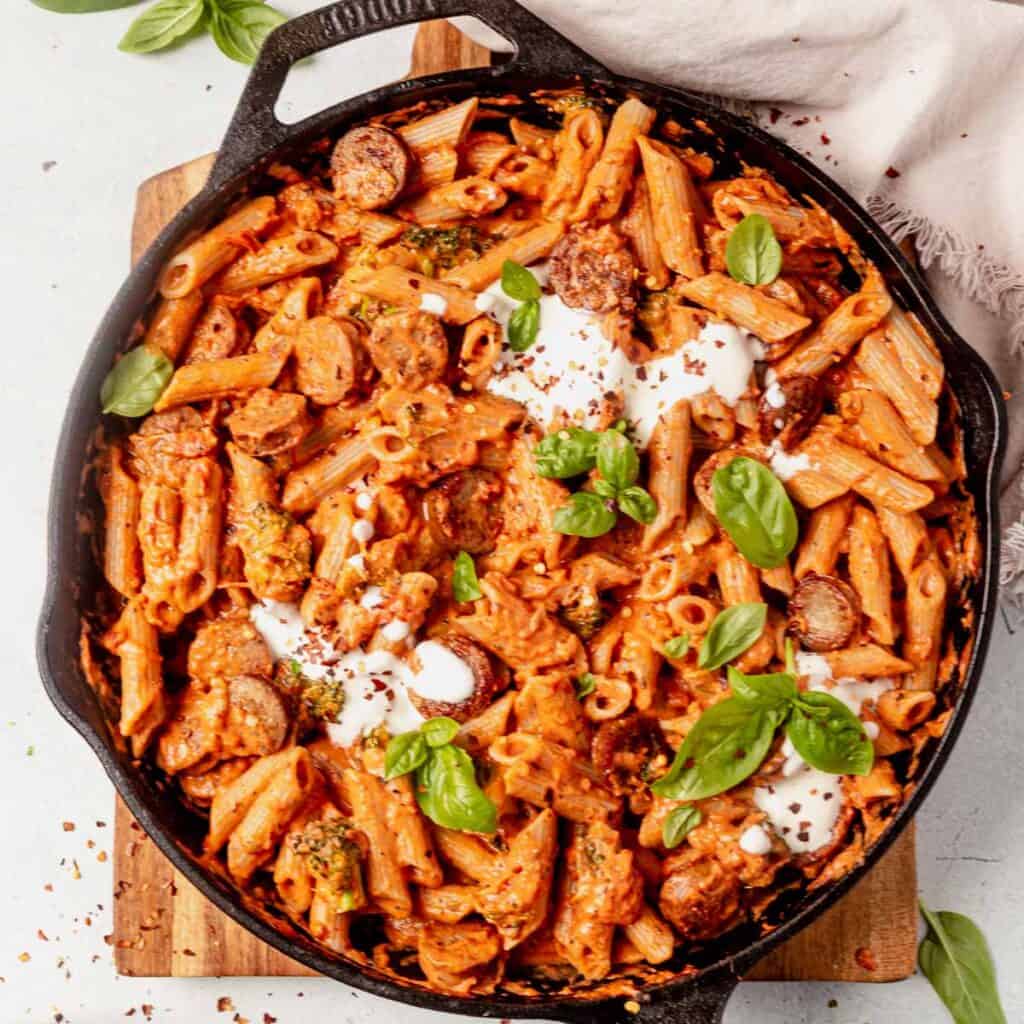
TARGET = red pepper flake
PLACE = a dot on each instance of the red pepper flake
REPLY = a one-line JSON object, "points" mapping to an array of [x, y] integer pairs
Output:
{"points": [[825, 140], [801, 121], [866, 959], [774, 114], [891, 172], [42, 935], [267, 1019], [68, 826], [224, 1004]]}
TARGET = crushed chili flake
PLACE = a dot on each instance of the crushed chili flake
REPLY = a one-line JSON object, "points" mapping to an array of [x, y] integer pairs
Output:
{"points": [[801, 121], [891, 172], [774, 114], [866, 959], [225, 1005], [825, 140], [68, 826]]}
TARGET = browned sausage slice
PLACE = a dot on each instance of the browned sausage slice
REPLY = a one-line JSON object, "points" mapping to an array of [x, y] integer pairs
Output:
{"points": [[329, 359], [257, 718], [370, 166], [409, 348], [701, 899], [788, 410], [229, 647], [628, 750], [463, 510], [824, 612], [270, 422], [488, 681], [202, 787], [593, 269]]}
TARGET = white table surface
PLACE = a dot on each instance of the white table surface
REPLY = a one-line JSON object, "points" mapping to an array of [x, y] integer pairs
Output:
{"points": [[106, 121]]}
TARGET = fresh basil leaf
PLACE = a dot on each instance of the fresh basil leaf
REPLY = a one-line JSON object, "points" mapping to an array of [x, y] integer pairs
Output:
{"points": [[518, 283], [158, 26], [735, 628], [753, 508], [726, 745], [135, 383], [586, 515], [404, 754], [678, 824], [566, 453], [603, 489], [82, 6], [753, 254], [774, 690], [677, 646], [585, 685], [954, 957], [439, 731], [523, 325], [448, 794], [465, 585], [638, 505], [617, 460], [240, 27], [828, 735]]}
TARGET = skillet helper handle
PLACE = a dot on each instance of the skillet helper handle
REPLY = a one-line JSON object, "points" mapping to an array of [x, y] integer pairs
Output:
{"points": [[255, 130]]}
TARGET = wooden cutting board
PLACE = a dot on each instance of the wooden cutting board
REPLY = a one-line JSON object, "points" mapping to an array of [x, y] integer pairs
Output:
{"points": [[164, 927]]}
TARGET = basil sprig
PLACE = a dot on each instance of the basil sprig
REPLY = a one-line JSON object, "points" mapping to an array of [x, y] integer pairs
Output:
{"points": [[465, 585], [445, 786], [518, 283], [677, 646], [734, 629], [678, 824], [574, 451], [136, 381], [239, 27], [585, 685], [955, 958], [730, 740], [753, 254], [754, 510], [158, 26]]}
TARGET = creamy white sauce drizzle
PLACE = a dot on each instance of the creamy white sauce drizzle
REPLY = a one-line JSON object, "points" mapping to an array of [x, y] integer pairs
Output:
{"points": [[756, 841], [358, 562], [363, 531], [853, 692], [803, 809], [775, 396], [573, 367], [443, 675], [373, 597], [364, 501], [433, 303], [784, 465]]}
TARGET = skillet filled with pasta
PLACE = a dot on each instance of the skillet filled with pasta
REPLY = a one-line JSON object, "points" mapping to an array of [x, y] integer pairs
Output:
{"points": [[539, 537]]}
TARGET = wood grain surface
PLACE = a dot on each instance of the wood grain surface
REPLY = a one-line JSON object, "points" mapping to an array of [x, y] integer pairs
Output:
{"points": [[164, 927]]}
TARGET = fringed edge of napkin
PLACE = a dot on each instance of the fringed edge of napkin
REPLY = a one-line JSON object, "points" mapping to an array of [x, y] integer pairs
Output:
{"points": [[1000, 290]]}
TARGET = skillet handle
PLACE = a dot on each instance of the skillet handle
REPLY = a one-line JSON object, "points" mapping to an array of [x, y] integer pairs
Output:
{"points": [[255, 129]]}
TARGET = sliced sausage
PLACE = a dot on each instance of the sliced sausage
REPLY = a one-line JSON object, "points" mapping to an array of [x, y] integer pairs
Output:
{"points": [[700, 900], [257, 721], [217, 335], [192, 734], [202, 787], [409, 348], [229, 647], [165, 440], [490, 677], [714, 462], [270, 422], [463, 510], [824, 612], [330, 360], [788, 409], [464, 958], [593, 269], [370, 166], [627, 751]]}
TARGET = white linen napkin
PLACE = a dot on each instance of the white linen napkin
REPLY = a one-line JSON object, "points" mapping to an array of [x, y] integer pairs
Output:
{"points": [[915, 106]]}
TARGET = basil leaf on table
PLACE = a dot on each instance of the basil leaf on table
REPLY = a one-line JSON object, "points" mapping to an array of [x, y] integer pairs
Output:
{"points": [[518, 283], [638, 505], [678, 824], [677, 646], [828, 735], [136, 381], [439, 731], [404, 754], [82, 6], [735, 628], [754, 510], [774, 690], [586, 515], [240, 27], [617, 460], [726, 745], [160, 25], [753, 254], [448, 794], [566, 453], [465, 585], [523, 325], [585, 685], [955, 958]]}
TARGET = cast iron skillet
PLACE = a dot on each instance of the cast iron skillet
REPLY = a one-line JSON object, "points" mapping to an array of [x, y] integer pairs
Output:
{"points": [[543, 59]]}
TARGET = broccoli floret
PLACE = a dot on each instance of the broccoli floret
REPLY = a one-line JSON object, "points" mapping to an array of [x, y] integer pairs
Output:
{"points": [[444, 247], [584, 615], [333, 856], [322, 698]]}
